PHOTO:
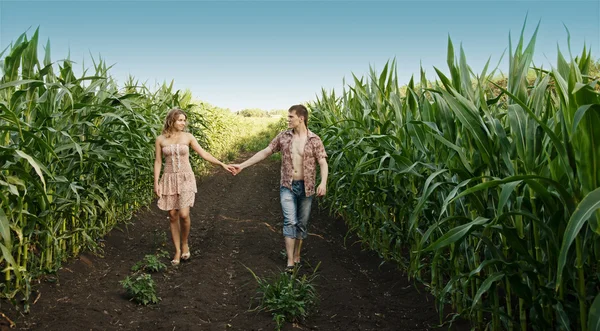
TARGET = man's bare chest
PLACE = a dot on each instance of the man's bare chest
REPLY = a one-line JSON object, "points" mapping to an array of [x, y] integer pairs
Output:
{"points": [[298, 145]]}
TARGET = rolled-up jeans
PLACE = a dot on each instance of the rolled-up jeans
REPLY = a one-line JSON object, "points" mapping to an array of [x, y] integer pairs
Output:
{"points": [[296, 210]]}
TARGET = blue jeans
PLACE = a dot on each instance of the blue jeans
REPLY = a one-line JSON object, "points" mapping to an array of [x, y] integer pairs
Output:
{"points": [[296, 209]]}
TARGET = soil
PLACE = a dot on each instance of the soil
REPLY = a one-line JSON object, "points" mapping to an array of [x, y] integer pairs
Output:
{"points": [[236, 224]]}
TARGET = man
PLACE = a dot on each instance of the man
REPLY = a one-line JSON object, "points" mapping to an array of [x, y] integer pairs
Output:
{"points": [[300, 151]]}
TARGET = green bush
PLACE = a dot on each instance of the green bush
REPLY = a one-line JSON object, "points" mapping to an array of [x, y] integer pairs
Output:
{"points": [[253, 113], [151, 263], [141, 289], [287, 297]]}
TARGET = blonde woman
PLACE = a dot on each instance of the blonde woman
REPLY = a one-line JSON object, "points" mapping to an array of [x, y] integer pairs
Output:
{"points": [[176, 188]]}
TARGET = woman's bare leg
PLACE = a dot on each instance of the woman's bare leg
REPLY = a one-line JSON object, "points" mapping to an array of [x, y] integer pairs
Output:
{"points": [[175, 233], [185, 225]]}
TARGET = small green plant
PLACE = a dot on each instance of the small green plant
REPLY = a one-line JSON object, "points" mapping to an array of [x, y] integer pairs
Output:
{"points": [[288, 297], [150, 263], [141, 289]]}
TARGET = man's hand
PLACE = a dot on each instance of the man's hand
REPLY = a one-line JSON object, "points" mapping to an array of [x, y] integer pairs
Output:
{"points": [[236, 169], [229, 168], [321, 190]]}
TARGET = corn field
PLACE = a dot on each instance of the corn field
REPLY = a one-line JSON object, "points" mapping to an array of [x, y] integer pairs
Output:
{"points": [[76, 158], [226, 134], [487, 193]]}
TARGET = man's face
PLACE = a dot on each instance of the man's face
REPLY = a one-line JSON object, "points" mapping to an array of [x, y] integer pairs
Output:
{"points": [[293, 120]]}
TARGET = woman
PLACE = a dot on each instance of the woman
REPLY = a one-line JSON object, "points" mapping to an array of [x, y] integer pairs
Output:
{"points": [[177, 187]]}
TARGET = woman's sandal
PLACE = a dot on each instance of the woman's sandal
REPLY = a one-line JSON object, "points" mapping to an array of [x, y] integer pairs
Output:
{"points": [[174, 262], [289, 269], [186, 256]]}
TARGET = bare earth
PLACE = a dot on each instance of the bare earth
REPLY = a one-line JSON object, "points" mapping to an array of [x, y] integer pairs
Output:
{"points": [[236, 223]]}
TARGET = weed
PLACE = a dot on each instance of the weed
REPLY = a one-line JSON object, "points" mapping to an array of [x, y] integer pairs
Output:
{"points": [[140, 288], [150, 263], [287, 297]]}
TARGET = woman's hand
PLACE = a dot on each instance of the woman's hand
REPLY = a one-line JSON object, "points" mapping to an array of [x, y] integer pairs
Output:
{"points": [[229, 168]]}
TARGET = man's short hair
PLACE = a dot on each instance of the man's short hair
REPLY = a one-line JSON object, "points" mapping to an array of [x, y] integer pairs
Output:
{"points": [[300, 110]]}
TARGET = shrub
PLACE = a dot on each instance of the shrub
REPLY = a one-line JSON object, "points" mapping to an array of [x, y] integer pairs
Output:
{"points": [[141, 289], [151, 263], [287, 297]]}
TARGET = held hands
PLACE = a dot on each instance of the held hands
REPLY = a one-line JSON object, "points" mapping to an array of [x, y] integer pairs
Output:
{"points": [[237, 169], [234, 169], [229, 168]]}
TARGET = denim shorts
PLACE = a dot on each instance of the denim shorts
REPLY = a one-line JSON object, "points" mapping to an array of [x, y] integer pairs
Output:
{"points": [[296, 210]]}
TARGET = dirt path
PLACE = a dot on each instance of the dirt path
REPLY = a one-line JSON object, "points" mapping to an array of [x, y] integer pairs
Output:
{"points": [[235, 223]]}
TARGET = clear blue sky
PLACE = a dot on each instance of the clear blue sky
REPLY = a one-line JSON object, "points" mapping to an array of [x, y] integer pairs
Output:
{"points": [[272, 54]]}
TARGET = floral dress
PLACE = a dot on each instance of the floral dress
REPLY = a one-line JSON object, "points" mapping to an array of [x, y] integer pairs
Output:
{"points": [[177, 186]]}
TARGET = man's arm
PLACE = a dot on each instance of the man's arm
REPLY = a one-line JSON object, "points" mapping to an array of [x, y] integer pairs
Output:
{"points": [[263, 154], [322, 188]]}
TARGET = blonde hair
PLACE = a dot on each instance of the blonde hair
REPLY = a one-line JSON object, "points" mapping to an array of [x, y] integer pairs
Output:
{"points": [[172, 116]]}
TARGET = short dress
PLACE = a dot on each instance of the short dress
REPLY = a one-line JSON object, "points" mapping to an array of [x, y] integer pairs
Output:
{"points": [[177, 186]]}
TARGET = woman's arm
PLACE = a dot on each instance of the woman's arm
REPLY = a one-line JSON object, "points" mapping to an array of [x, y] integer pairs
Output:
{"points": [[157, 163], [206, 155]]}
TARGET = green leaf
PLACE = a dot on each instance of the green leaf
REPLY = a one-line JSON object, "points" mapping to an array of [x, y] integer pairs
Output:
{"points": [[517, 244], [594, 315], [519, 288], [580, 113], [563, 317], [19, 83], [11, 261], [507, 190], [5, 229], [13, 189], [456, 234], [582, 213], [485, 286], [560, 147], [565, 196], [37, 166]]}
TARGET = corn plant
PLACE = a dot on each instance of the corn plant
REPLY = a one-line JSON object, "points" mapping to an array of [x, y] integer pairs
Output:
{"points": [[226, 134], [484, 189], [76, 158], [77, 154]]}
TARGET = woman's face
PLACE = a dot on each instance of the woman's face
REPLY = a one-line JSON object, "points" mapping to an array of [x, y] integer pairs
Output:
{"points": [[180, 122]]}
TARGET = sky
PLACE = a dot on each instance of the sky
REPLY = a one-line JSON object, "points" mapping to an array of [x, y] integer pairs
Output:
{"points": [[273, 54]]}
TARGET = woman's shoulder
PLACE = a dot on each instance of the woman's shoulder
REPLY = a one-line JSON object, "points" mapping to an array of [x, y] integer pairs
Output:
{"points": [[189, 138]]}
